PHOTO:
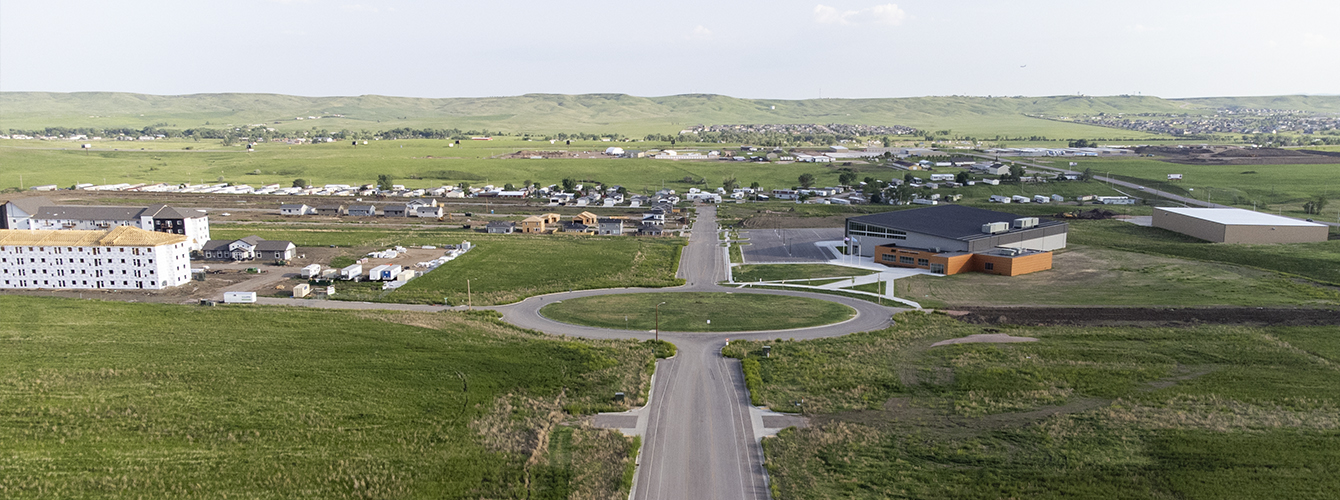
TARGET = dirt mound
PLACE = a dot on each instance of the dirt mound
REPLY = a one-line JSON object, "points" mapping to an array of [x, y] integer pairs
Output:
{"points": [[1234, 155], [1145, 316], [1095, 214]]}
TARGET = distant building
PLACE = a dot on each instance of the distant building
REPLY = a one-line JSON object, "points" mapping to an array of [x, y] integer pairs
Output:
{"points": [[500, 227], [332, 210], [949, 239], [249, 248], [1235, 225], [609, 227], [362, 210], [296, 209], [39, 213]]}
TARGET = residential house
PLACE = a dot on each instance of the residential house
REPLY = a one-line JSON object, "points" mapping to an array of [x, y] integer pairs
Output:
{"points": [[500, 227], [427, 211], [650, 230], [395, 211], [362, 211], [296, 209], [609, 227], [655, 217], [275, 250], [575, 227], [332, 210], [586, 218]]}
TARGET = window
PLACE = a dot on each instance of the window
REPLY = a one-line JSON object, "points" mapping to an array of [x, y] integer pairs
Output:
{"points": [[938, 268], [888, 257], [906, 260], [923, 262], [990, 266]]}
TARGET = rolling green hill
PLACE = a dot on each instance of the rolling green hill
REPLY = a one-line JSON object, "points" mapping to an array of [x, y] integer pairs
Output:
{"points": [[630, 115]]}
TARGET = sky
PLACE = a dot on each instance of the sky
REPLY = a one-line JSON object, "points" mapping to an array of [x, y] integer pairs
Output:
{"points": [[780, 49]]}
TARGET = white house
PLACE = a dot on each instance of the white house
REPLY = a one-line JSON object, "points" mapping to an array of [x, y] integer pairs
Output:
{"points": [[120, 258], [296, 209]]}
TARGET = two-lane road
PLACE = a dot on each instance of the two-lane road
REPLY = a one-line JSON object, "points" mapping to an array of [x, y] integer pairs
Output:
{"points": [[699, 441]]}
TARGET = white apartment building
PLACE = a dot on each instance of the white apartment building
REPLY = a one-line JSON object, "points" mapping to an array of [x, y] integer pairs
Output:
{"points": [[121, 258]]}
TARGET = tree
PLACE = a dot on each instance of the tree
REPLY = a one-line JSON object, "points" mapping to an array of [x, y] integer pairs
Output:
{"points": [[1315, 207], [299, 183], [846, 178], [465, 186], [509, 187], [569, 184], [962, 178], [730, 184], [806, 180], [1016, 172], [754, 185], [384, 182], [907, 177], [1087, 175]]}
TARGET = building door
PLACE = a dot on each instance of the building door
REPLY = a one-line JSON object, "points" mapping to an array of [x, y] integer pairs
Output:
{"points": [[938, 268]]}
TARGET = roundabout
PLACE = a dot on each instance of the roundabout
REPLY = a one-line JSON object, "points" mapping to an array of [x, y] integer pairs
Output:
{"points": [[698, 312], [701, 437]]}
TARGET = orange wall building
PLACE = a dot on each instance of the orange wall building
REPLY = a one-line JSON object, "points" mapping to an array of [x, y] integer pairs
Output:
{"points": [[1001, 261]]}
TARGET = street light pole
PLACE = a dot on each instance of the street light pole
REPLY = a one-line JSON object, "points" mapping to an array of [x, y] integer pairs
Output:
{"points": [[658, 320]]}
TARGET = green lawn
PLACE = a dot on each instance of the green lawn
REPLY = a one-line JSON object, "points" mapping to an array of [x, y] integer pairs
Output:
{"points": [[691, 312], [116, 400], [1204, 412], [773, 272]]}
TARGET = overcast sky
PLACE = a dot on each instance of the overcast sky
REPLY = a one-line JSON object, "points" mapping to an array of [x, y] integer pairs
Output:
{"points": [[791, 49]]}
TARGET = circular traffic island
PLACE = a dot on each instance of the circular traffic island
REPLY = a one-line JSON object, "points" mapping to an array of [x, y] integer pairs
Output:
{"points": [[698, 312]]}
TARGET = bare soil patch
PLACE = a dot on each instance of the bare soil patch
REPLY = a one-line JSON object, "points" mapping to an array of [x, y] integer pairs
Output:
{"points": [[1240, 156], [1146, 316], [985, 338]]}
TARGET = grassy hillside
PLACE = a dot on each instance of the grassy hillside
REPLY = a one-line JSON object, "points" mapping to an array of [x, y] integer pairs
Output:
{"points": [[626, 114]]}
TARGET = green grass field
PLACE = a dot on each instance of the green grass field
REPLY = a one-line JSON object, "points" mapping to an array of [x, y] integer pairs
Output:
{"points": [[773, 272], [500, 268], [1205, 412], [692, 311], [1314, 261], [115, 400], [1273, 188]]}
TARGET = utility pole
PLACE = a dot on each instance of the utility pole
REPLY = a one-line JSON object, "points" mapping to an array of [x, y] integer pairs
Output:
{"points": [[658, 320], [469, 301]]}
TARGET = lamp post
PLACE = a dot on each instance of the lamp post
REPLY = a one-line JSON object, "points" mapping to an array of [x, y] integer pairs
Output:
{"points": [[658, 320]]}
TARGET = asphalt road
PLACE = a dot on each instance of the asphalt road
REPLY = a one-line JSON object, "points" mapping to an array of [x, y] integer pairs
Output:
{"points": [[701, 435]]}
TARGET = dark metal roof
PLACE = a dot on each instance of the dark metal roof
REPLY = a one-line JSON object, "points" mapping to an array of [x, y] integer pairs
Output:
{"points": [[273, 245], [89, 213], [947, 221]]}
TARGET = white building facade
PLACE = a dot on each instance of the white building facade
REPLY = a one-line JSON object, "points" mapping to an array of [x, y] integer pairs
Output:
{"points": [[121, 258]]}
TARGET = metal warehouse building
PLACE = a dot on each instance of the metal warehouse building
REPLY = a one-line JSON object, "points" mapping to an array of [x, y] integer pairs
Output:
{"points": [[1235, 225], [950, 239]]}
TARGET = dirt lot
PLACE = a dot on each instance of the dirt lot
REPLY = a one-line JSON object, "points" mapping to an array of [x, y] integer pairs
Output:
{"points": [[1240, 156], [524, 154], [1143, 316]]}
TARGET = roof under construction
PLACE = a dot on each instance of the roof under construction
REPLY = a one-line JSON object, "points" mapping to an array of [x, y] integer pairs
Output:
{"points": [[121, 236]]}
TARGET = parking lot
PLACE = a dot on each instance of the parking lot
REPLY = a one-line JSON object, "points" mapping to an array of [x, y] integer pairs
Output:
{"points": [[788, 245]]}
